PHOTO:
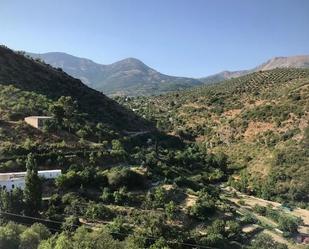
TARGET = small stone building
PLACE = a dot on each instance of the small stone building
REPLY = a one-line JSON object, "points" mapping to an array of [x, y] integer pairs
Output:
{"points": [[37, 121]]}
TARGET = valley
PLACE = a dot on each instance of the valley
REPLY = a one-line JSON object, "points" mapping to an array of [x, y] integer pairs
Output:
{"points": [[255, 120], [147, 172], [132, 124]]}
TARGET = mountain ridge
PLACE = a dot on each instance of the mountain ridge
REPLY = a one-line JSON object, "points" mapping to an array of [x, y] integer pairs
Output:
{"points": [[296, 61], [131, 76], [128, 76]]}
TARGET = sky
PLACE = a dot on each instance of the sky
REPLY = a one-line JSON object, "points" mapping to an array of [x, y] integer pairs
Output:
{"points": [[193, 38]]}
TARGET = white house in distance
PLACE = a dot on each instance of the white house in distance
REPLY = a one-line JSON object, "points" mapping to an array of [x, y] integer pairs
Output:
{"points": [[13, 180], [37, 121]]}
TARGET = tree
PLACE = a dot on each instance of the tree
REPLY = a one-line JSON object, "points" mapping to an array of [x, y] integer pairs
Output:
{"points": [[65, 112], [12, 201], [159, 197], [121, 196], [135, 242], [213, 239], [170, 210], [118, 228], [151, 224], [204, 207], [98, 239], [57, 242], [124, 177], [9, 236], [287, 224], [33, 188], [70, 224], [97, 211], [118, 149], [160, 244], [17, 203], [233, 228], [264, 241], [106, 196], [31, 237]]}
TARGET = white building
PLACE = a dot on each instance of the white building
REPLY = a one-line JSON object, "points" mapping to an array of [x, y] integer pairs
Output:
{"points": [[37, 121], [13, 180]]}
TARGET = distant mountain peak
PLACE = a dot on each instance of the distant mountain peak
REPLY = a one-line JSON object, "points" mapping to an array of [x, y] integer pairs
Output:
{"points": [[129, 76], [297, 61], [131, 60]]}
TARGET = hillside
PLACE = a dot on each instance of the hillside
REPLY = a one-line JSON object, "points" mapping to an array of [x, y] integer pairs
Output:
{"points": [[126, 189], [126, 77], [121, 184], [36, 77], [259, 120], [301, 61]]}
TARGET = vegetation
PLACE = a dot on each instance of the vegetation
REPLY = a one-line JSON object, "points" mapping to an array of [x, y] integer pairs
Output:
{"points": [[134, 186], [33, 188], [259, 121]]}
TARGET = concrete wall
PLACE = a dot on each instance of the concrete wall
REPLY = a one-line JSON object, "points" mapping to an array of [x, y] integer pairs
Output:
{"points": [[10, 181], [13, 183], [32, 121], [37, 121]]}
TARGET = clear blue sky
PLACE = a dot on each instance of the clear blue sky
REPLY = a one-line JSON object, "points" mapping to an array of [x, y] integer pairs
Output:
{"points": [[178, 37]]}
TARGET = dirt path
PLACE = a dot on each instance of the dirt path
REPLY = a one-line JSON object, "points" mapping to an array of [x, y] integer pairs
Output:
{"points": [[251, 201], [281, 240], [304, 214]]}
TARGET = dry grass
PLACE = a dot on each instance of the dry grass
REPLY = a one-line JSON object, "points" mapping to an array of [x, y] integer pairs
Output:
{"points": [[255, 128]]}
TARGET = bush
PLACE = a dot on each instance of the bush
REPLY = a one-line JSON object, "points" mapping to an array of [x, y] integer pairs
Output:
{"points": [[260, 209], [287, 224], [124, 177], [98, 211], [203, 208], [264, 241]]}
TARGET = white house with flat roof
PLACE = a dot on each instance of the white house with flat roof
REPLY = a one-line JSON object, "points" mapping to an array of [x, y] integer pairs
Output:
{"points": [[37, 121], [13, 180]]}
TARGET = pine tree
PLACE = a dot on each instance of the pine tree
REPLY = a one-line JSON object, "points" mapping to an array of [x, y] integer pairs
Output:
{"points": [[33, 188]]}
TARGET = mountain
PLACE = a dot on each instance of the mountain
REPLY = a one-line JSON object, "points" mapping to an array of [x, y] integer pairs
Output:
{"points": [[132, 77], [126, 77], [36, 77], [224, 75], [301, 61], [259, 120]]}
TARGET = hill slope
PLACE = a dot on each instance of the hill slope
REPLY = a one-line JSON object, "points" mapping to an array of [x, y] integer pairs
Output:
{"points": [[301, 61], [32, 76], [144, 185], [126, 77], [261, 121]]}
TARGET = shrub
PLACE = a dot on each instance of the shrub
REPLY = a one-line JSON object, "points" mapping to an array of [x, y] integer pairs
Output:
{"points": [[264, 241], [260, 209], [98, 211], [287, 224], [119, 177]]}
